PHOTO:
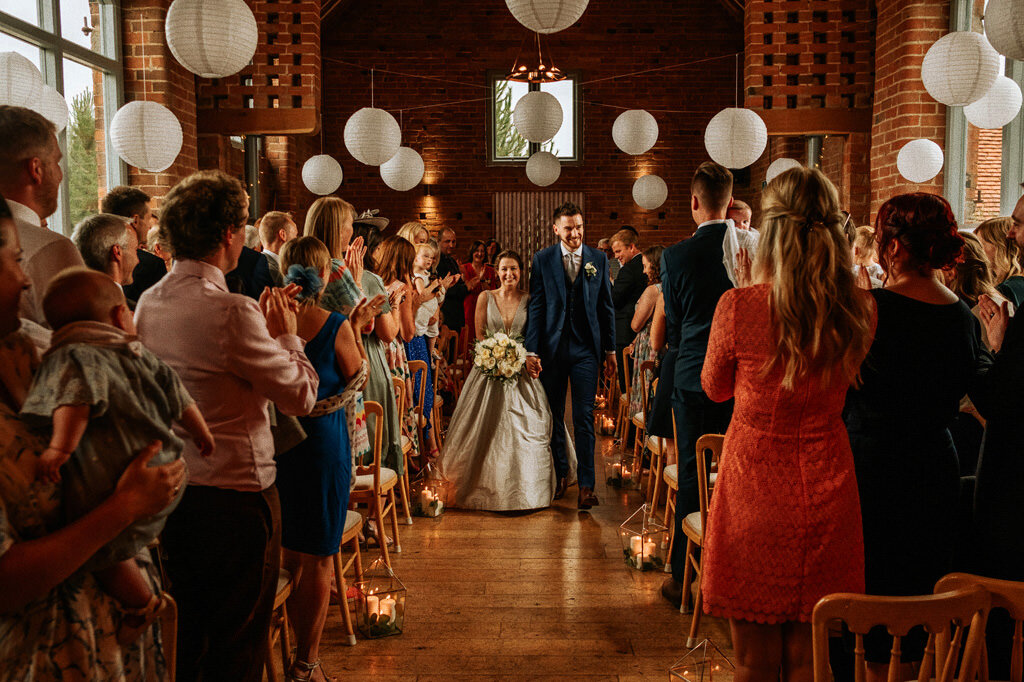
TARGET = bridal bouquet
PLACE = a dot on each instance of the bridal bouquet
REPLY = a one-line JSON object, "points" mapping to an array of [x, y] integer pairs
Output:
{"points": [[500, 357]]}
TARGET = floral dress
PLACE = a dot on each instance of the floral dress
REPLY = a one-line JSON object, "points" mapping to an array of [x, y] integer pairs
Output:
{"points": [[641, 354]]}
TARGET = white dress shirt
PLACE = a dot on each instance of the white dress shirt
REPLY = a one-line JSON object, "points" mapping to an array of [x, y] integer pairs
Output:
{"points": [[44, 254]]}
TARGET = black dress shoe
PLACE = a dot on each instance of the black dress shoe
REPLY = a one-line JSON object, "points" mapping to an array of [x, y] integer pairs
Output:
{"points": [[673, 592], [587, 499], [560, 487]]}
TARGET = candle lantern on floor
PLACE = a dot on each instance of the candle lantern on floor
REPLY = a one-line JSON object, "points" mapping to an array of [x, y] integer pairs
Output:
{"points": [[605, 425], [623, 471], [380, 602], [703, 663], [644, 541], [429, 498]]}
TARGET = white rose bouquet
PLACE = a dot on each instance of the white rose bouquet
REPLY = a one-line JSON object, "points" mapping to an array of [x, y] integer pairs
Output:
{"points": [[500, 357]]}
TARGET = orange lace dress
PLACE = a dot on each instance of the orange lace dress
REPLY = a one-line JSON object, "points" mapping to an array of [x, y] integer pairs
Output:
{"points": [[784, 527]]}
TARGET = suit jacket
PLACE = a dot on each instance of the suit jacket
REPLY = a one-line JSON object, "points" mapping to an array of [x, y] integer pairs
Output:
{"points": [[274, 269], [452, 307], [546, 315], [44, 254], [251, 275], [693, 278], [629, 285], [148, 272]]}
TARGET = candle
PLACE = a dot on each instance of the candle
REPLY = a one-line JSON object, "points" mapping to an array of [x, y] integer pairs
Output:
{"points": [[635, 545], [387, 608], [649, 547], [426, 497], [625, 472], [372, 605]]}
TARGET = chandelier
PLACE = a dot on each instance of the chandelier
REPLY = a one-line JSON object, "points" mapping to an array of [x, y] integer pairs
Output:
{"points": [[535, 68]]}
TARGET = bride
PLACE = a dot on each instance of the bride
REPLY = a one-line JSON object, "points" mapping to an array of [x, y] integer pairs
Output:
{"points": [[497, 453]]}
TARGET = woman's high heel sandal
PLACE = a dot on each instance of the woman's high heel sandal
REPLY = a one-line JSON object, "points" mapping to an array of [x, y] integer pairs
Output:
{"points": [[303, 672]]}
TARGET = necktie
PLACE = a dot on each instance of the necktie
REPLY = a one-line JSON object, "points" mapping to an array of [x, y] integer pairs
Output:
{"points": [[570, 267]]}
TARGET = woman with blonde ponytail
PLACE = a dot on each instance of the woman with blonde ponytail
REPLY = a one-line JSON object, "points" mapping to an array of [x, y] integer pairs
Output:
{"points": [[787, 349]]}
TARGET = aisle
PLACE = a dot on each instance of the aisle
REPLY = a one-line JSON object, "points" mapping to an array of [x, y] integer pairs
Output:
{"points": [[529, 596]]}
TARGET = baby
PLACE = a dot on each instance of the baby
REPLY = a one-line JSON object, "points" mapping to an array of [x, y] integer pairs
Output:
{"points": [[107, 397], [427, 314], [740, 213]]}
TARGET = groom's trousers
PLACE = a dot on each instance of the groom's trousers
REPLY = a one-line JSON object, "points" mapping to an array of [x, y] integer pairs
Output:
{"points": [[573, 365]]}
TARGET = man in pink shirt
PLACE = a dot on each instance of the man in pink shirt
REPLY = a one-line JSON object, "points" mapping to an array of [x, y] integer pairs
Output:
{"points": [[235, 357]]}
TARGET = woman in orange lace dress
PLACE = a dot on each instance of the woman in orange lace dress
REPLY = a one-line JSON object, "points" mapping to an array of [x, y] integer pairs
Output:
{"points": [[784, 527]]}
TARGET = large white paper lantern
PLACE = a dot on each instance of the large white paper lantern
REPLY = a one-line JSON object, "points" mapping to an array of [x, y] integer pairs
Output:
{"points": [[321, 174], [735, 137], [780, 166], [635, 131], [403, 171], [211, 38], [959, 68], [372, 136], [1004, 27], [146, 135], [543, 168], [54, 107], [919, 160], [999, 106], [21, 84], [537, 116], [650, 192], [547, 16]]}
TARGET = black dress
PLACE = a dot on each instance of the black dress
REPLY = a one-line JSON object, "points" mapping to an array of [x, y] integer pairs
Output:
{"points": [[919, 367]]}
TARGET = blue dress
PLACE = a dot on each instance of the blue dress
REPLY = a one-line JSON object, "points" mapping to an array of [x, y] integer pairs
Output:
{"points": [[313, 477], [417, 350]]}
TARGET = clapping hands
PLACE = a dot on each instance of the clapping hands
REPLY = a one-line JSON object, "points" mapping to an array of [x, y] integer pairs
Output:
{"points": [[280, 308], [996, 318]]}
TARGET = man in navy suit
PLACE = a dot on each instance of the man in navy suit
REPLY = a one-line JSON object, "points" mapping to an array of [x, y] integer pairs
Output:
{"points": [[693, 278], [570, 332]]}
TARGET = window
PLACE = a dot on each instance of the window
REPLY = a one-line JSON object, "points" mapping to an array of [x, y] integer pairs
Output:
{"points": [[75, 44], [507, 146]]}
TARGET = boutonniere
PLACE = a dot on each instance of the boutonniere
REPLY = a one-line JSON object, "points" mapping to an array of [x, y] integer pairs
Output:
{"points": [[590, 270]]}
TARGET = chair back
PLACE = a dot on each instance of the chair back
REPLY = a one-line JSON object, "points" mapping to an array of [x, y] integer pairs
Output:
{"points": [[646, 374], [376, 411], [1005, 594], [627, 354], [709, 456], [415, 367], [946, 618]]}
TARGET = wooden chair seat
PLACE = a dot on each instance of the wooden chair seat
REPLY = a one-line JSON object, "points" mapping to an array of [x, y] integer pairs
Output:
{"points": [[671, 475], [693, 527], [655, 445], [406, 445], [638, 420], [388, 479], [353, 524]]}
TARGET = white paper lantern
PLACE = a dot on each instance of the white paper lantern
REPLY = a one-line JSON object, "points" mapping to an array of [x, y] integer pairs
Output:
{"points": [[54, 107], [211, 38], [1004, 27], [635, 131], [999, 106], [372, 136], [919, 160], [780, 166], [959, 68], [543, 168], [650, 192], [403, 171], [321, 174], [537, 116], [21, 84], [547, 16], [146, 135], [736, 138]]}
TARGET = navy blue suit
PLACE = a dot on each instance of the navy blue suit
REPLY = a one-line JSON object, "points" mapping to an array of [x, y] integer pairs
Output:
{"points": [[571, 326]]}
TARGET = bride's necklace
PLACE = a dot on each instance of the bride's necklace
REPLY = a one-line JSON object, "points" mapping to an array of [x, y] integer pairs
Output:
{"points": [[502, 309]]}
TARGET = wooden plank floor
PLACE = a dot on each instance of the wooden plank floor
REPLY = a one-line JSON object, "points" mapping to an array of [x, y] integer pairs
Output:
{"points": [[537, 596]]}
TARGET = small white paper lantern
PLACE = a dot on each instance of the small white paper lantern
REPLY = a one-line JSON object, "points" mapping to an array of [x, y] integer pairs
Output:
{"points": [[321, 174], [543, 168], [735, 137], [780, 166], [919, 160], [146, 135], [1004, 27], [999, 106], [547, 16], [959, 68], [21, 84], [635, 131], [54, 107], [403, 171], [372, 136], [211, 38], [650, 192], [537, 116]]}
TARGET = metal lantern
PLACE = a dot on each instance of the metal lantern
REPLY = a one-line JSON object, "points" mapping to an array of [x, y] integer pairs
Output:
{"points": [[919, 160], [211, 38], [999, 106], [428, 499], [736, 137], [959, 68], [54, 107], [780, 166], [321, 174], [21, 84], [644, 541], [372, 136], [650, 192], [702, 663], [547, 16], [543, 168], [403, 171], [537, 116], [635, 131], [1004, 27], [380, 602], [623, 471], [146, 135]]}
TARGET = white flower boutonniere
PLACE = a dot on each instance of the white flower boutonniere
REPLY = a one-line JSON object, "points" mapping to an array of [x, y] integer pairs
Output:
{"points": [[590, 270]]}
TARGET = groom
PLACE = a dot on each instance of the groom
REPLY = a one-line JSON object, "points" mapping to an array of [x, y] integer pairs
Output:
{"points": [[571, 331]]}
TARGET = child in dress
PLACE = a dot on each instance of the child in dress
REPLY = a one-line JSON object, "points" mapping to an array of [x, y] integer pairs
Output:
{"points": [[427, 315], [107, 397]]}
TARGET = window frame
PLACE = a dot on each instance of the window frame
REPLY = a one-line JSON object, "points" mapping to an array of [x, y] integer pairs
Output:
{"points": [[493, 76]]}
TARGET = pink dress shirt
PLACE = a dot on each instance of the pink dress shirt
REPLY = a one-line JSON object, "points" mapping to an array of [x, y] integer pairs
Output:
{"points": [[218, 343]]}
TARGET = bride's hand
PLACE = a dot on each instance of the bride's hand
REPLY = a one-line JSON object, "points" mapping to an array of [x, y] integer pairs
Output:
{"points": [[533, 367]]}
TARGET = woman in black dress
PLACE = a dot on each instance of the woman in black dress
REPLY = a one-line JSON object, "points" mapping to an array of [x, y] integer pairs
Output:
{"points": [[919, 366]]}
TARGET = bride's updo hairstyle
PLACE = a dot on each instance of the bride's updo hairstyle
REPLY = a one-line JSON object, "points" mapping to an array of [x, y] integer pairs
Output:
{"points": [[822, 320], [925, 227], [303, 261]]}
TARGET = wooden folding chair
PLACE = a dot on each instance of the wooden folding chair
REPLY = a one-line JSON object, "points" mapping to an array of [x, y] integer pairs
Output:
{"points": [[640, 440], [622, 420], [436, 414], [279, 628], [399, 387], [350, 537], [375, 487], [415, 368]]}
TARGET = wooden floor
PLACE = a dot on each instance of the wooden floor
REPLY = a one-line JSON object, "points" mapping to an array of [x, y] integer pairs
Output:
{"points": [[538, 596]]}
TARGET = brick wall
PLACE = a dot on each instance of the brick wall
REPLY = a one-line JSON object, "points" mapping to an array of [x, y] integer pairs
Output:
{"points": [[984, 174]]}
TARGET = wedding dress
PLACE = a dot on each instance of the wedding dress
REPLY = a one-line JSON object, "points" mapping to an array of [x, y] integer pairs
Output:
{"points": [[497, 453]]}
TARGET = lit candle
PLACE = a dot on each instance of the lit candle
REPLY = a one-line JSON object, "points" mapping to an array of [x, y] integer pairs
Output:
{"points": [[440, 506], [426, 497], [649, 547], [387, 608], [625, 472], [372, 605], [635, 545]]}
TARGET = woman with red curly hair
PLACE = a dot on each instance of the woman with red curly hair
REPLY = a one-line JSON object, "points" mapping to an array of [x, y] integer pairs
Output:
{"points": [[925, 350]]}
